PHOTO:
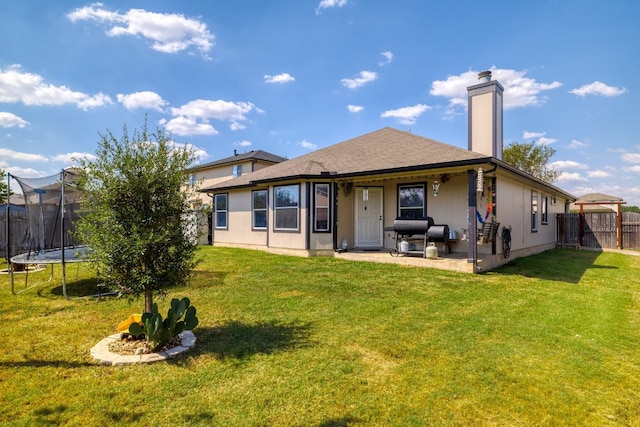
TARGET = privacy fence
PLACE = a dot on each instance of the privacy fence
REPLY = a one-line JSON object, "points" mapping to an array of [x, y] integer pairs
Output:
{"points": [[598, 230]]}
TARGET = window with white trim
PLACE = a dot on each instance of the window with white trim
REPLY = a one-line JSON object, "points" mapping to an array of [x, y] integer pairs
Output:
{"points": [[286, 207], [259, 200], [321, 207], [544, 214], [221, 210]]}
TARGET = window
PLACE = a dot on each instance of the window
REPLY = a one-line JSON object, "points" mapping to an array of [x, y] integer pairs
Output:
{"points": [[321, 210], [544, 215], [286, 207], [192, 180], [221, 211], [237, 170], [411, 201], [534, 210], [259, 208]]}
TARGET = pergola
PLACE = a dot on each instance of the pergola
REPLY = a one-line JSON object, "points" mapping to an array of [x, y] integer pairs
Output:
{"points": [[601, 199]]}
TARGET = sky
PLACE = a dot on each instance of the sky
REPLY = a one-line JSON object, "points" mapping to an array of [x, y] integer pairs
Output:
{"points": [[293, 76]]}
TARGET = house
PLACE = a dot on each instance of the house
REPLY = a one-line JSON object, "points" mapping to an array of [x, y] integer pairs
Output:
{"points": [[350, 196], [230, 167]]}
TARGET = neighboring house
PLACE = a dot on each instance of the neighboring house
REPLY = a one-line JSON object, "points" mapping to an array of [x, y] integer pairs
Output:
{"points": [[230, 167], [355, 190], [596, 202]]}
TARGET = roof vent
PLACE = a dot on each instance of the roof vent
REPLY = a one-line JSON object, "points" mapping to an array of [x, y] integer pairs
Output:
{"points": [[484, 77]]}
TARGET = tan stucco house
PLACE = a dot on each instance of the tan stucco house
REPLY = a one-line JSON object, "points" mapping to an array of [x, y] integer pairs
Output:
{"points": [[351, 196], [239, 164]]}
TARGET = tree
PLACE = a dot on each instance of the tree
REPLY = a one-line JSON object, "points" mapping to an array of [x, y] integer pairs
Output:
{"points": [[532, 159], [137, 213], [3, 187], [630, 209]]}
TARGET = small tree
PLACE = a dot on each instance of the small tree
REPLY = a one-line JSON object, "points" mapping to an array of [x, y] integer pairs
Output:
{"points": [[532, 159], [3, 187], [137, 213]]}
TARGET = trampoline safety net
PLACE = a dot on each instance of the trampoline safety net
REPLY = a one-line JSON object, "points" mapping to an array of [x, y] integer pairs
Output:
{"points": [[52, 207]]}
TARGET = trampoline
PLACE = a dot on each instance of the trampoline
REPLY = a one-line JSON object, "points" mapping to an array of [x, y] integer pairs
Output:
{"points": [[51, 257], [43, 232]]}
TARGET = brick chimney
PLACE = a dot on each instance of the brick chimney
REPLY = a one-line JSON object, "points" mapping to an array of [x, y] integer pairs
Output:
{"points": [[485, 116]]}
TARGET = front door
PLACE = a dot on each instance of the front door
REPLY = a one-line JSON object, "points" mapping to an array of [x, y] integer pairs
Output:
{"points": [[369, 233]]}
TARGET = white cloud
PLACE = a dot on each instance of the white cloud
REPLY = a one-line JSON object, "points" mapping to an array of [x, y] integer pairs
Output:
{"points": [[598, 88], [326, 4], [308, 145], [576, 144], [243, 143], [30, 89], [199, 153], [598, 174], [354, 108], [193, 117], [9, 120], [406, 115], [388, 57], [545, 141], [188, 126], [631, 157], [280, 78], [6, 153], [363, 78], [571, 177], [567, 164], [539, 136], [168, 32], [633, 169], [146, 100], [531, 135], [519, 90], [71, 158]]}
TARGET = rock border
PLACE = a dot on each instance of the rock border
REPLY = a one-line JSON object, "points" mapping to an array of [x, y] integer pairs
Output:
{"points": [[102, 354]]}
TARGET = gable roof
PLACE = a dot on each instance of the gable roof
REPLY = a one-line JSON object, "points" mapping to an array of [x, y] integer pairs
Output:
{"points": [[599, 198], [385, 150], [242, 157]]}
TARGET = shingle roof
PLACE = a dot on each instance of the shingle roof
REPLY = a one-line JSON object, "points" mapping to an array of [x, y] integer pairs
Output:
{"points": [[599, 198], [241, 157], [384, 150]]}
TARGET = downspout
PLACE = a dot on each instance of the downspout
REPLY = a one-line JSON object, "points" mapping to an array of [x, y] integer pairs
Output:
{"points": [[309, 226]]}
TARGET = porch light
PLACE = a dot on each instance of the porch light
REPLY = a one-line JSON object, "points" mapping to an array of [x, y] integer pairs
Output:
{"points": [[436, 187], [365, 194]]}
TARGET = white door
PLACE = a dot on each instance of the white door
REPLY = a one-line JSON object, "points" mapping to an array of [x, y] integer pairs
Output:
{"points": [[369, 233]]}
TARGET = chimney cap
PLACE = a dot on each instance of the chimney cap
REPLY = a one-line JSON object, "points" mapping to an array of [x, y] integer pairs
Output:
{"points": [[484, 76]]}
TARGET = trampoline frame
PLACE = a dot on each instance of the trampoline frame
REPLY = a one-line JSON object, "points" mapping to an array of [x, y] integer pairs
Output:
{"points": [[68, 254], [47, 257]]}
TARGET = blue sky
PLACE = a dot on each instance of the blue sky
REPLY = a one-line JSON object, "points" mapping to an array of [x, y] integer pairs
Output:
{"points": [[291, 76]]}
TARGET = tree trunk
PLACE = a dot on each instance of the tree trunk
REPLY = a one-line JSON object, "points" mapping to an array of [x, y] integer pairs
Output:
{"points": [[148, 300]]}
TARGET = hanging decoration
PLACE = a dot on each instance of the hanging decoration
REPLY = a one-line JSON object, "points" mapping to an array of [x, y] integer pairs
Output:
{"points": [[480, 181], [489, 205], [436, 187]]}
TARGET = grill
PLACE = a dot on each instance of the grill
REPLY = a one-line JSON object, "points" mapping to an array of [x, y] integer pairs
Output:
{"points": [[408, 227], [438, 233]]}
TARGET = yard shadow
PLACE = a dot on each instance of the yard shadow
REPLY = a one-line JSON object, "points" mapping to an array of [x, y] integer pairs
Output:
{"points": [[340, 422], [83, 288], [566, 265], [46, 363], [206, 278], [237, 340]]}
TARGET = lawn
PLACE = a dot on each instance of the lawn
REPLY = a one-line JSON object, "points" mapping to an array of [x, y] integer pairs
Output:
{"points": [[552, 339]]}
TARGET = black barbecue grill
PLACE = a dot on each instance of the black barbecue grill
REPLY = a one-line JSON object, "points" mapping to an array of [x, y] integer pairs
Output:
{"points": [[406, 229]]}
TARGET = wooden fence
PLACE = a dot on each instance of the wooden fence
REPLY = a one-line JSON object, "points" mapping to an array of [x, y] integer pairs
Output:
{"points": [[599, 230]]}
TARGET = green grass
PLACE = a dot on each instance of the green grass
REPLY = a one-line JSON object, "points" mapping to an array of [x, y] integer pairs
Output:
{"points": [[552, 339]]}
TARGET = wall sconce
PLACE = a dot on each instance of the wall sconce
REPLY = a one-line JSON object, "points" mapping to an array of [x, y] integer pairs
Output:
{"points": [[365, 194], [436, 187]]}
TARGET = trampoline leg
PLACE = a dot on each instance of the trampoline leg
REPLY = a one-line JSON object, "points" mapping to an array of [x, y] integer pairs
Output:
{"points": [[64, 280]]}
